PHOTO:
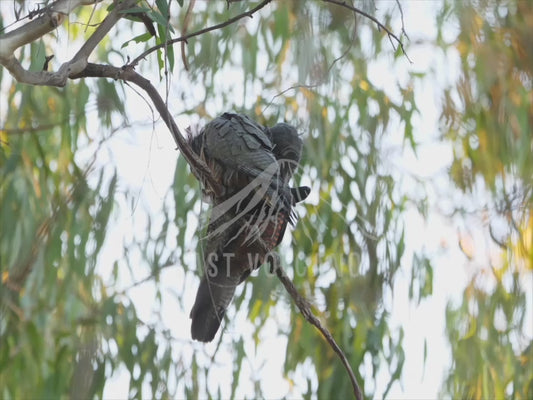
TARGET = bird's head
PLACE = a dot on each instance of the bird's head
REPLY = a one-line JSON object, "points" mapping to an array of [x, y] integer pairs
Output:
{"points": [[287, 148]]}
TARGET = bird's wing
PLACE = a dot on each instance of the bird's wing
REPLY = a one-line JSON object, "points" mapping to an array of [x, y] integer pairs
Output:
{"points": [[239, 144]]}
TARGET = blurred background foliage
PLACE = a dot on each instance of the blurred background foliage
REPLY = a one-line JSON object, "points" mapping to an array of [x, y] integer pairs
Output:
{"points": [[71, 298], [488, 117]]}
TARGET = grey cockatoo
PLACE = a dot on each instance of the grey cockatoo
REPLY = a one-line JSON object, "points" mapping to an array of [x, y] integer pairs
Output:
{"points": [[254, 165]]}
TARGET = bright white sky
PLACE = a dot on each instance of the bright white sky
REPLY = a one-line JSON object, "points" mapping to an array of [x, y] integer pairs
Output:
{"points": [[146, 158]]}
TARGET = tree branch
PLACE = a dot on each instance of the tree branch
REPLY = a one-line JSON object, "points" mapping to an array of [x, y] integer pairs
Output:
{"points": [[184, 38], [373, 19], [305, 309], [128, 74], [53, 16]]}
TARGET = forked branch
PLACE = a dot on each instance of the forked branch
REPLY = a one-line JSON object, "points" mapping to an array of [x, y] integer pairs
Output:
{"points": [[51, 17]]}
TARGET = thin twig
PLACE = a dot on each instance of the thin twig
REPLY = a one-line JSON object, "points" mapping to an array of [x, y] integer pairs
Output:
{"points": [[34, 129], [323, 79], [305, 309], [184, 28], [298, 86], [373, 19], [184, 38], [401, 17], [149, 277]]}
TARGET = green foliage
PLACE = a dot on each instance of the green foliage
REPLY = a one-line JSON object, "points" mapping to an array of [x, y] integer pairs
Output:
{"points": [[349, 246], [488, 113], [487, 117], [480, 331], [48, 253]]}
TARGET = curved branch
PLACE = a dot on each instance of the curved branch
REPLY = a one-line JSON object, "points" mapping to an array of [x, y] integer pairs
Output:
{"points": [[373, 19], [305, 309], [184, 38], [128, 74]]}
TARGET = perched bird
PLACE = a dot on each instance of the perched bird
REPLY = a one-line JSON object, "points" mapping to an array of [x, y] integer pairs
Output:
{"points": [[254, 165]]}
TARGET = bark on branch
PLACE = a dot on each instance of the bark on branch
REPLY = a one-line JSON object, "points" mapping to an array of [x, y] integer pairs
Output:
{"points": [[50, 18]]}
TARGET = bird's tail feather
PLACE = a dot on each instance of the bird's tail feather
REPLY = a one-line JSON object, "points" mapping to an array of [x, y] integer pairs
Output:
{"points": [[212, 300], [300, 193]]}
